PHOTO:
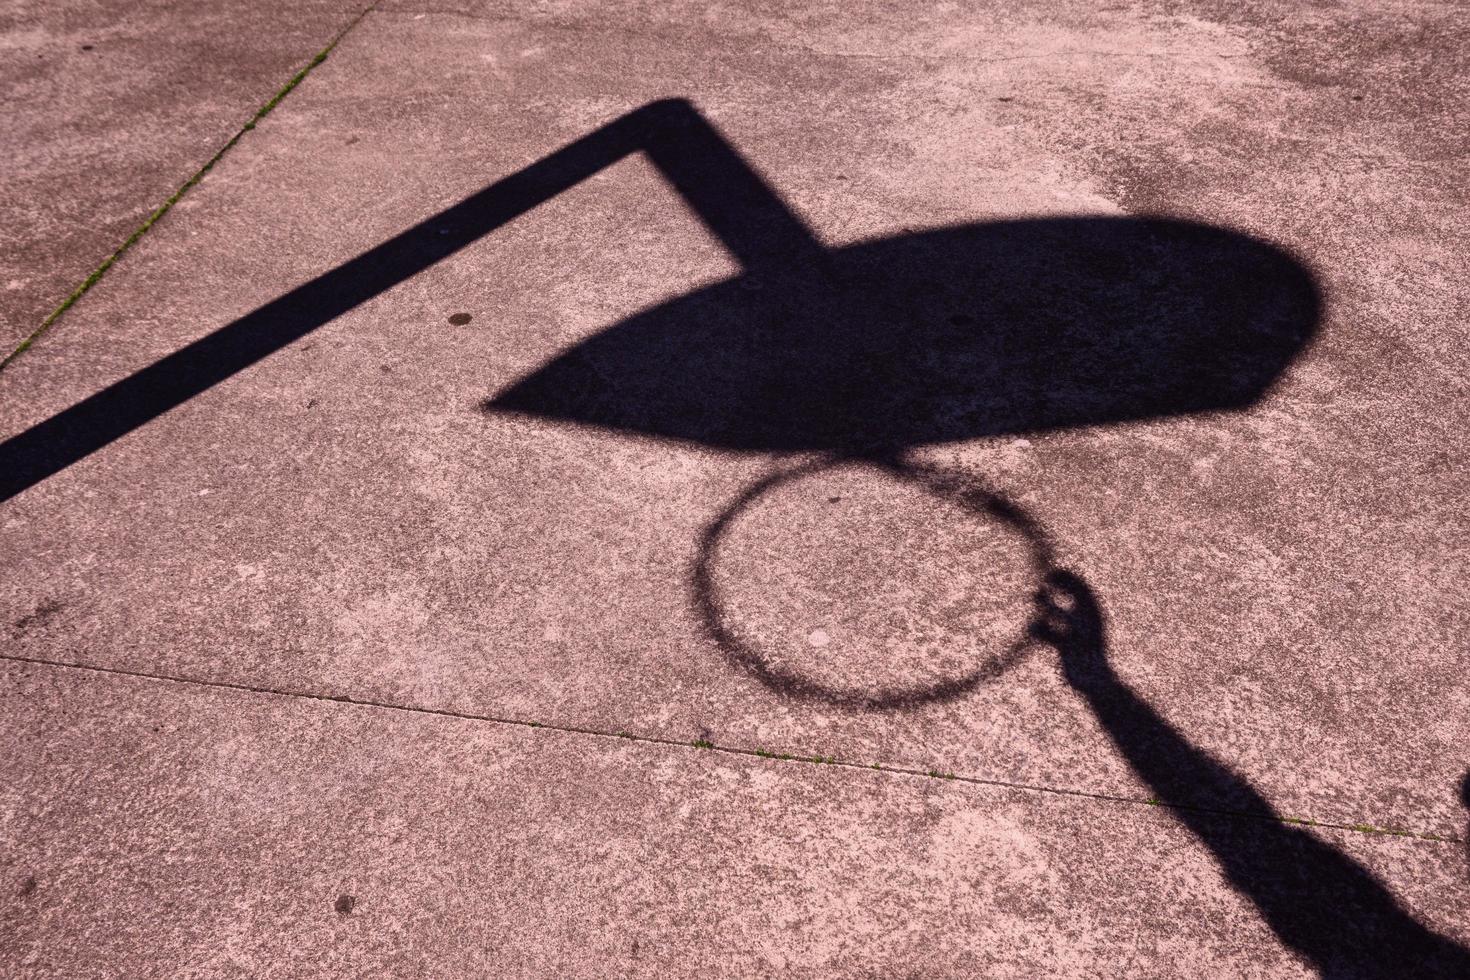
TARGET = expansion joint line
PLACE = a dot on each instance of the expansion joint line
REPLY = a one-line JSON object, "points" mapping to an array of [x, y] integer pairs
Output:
{"points": [[184, 188], [734, 750]]}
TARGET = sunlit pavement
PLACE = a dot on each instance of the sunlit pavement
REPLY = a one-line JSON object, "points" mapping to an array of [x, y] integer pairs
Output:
{"points": [[565, 493]]}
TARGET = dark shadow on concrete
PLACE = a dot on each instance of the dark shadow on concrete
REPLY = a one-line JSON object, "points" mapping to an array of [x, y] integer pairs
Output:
{"points": [[863, 353], [736, 204], [963, 491], [947, 334], [1319, 902], [1465, 799]]}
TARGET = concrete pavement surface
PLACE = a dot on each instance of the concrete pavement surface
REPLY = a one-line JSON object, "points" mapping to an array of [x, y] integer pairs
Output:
{"points": [[257, 835], [567, 493], [110, 107]]}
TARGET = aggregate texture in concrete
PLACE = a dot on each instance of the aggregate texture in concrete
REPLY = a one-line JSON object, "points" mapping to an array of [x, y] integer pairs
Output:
{"points": [[734, 377], [257, 835], [110, 107]]}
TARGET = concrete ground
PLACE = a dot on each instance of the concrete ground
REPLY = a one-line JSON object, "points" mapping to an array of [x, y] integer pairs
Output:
{"points": [[566, 492], [111, 107]]}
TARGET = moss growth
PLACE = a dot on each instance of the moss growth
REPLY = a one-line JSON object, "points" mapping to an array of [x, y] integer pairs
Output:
{"points": [[173, 199]]}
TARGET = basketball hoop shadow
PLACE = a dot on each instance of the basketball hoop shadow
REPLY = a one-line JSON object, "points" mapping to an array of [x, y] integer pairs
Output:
{"points": [[863, 353], [860, 353]]}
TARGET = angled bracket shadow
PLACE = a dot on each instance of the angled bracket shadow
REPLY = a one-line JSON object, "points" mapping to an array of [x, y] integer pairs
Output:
{"points": [[686, 149]]}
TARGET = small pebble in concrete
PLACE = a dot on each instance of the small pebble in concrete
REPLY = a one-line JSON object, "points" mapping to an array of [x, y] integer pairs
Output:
{"points": [[819, 638], [345, 904], [460, 319]]}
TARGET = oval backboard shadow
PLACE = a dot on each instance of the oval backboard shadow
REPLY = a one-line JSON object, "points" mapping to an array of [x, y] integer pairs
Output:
{"points": [[949, 334]]}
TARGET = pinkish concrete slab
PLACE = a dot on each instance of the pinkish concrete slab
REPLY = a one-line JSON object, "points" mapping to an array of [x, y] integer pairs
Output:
{"points": [[156, 829], [342, 518], [109, 107]]}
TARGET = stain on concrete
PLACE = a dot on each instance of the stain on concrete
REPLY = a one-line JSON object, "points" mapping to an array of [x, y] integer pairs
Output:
{"points": [[43, 614]]}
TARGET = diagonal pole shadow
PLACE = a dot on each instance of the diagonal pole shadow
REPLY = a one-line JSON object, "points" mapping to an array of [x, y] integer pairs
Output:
{"points": [[732, 199]]}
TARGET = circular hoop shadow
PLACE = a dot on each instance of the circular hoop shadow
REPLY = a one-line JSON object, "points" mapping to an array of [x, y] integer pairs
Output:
{"points": [[961, 490]]}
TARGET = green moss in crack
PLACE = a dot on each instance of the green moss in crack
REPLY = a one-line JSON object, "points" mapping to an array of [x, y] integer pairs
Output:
{"points": [[173, 199]]}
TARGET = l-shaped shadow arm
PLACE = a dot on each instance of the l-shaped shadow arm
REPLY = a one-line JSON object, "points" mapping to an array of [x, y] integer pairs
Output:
{"points": [[747, 216]]}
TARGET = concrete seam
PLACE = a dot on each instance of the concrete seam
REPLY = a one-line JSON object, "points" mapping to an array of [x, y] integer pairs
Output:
{"points": [[729, 749], [167, 205]]}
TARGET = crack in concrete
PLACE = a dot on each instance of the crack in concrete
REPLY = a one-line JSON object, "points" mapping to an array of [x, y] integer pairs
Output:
{"points": [[184, 188], [758, 753]]}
